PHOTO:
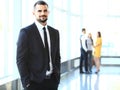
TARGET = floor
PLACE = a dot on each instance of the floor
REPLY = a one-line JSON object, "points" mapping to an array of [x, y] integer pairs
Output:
{"points": [[107, 79]]}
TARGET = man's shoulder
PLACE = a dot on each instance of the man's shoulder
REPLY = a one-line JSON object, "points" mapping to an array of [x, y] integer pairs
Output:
{"points": [[51, 28], [81, 35], [29, 29], [29, 26]]}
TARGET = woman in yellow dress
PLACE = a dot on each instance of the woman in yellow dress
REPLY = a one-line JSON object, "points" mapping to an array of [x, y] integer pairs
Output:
{"points": [[97, 51]]}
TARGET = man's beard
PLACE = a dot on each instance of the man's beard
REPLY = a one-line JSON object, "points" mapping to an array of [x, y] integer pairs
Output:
{"points": [[42, 21]]}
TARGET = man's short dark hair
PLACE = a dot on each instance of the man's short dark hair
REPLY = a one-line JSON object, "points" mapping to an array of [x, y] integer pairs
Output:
{"points": [[83, 29], [40, 2]]}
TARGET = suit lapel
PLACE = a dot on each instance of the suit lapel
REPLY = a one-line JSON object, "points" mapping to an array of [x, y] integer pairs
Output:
{"points": [[37, 35]]}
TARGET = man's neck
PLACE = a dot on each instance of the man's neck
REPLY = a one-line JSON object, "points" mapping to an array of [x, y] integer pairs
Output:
{"points": [[44, 24]]}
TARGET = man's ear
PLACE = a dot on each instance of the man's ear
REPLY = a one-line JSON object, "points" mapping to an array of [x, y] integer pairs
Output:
{"points": [[33, 13], [48, 12]]}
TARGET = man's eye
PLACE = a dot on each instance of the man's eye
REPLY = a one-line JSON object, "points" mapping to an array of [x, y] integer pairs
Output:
{"points": [[45, 11], [39, 10]]}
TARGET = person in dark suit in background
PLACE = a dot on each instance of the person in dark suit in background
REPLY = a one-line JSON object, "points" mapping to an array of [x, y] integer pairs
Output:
{"points": [[83, 49], [38, 61]]}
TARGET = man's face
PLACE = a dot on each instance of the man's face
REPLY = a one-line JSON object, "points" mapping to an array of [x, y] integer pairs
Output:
{"points": [[41, 13], [84, 32]]}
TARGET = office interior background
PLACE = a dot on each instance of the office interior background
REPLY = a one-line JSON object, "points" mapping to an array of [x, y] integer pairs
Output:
{"points": [[69, 17]]}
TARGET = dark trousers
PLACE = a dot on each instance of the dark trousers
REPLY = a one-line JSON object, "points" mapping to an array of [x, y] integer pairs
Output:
{"points": [[90, 57], [46, 84], [83, 58]]}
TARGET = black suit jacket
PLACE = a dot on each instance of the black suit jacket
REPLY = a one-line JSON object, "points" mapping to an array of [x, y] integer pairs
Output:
{"points": [[31, 61]]}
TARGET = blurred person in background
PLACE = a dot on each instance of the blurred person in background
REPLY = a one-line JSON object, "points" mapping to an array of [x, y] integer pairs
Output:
{"points": [[90, 51], [97, 51], [83, 49]]}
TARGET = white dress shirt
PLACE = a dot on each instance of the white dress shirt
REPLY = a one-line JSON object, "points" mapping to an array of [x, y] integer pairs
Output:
{"points": [[83, 39], [40, 29]]}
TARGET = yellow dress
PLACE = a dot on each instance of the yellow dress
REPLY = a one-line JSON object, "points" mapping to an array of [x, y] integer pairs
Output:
{"points": [[97, 49]]}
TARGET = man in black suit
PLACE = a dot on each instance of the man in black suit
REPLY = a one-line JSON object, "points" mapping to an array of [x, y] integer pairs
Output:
{"points": [[39, 67]]}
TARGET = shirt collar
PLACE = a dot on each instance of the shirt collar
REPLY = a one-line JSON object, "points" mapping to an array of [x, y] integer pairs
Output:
{"points": [[39, 26]]}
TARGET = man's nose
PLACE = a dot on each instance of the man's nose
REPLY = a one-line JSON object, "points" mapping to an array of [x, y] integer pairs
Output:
{"points": [[42, 13]]}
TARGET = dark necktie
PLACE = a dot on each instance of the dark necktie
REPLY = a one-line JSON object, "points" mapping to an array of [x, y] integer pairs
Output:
{"points": [[46, 48]]}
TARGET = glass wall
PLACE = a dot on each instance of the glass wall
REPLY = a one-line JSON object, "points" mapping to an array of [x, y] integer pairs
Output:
{"points": [[69, 17], [104, 16], [9, 25], [66, 18]]}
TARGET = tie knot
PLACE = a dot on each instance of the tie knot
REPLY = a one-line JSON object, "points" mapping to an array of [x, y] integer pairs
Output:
{"points": [[44, 28]]}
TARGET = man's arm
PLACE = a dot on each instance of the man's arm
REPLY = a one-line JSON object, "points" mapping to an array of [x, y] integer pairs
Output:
{"points": [[22, 57], [56, 70], [84, 43]]}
